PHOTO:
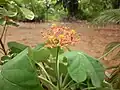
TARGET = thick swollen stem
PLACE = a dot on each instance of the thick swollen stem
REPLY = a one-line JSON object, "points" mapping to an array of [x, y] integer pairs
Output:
{"points": [[57, 69]]}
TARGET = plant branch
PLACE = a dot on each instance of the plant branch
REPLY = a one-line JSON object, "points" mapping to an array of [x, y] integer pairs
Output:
{"points": [[109, 51], [5, 35], [1, 42]]}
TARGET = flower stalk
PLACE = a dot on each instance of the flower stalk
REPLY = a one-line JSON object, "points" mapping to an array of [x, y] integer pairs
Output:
{"points": [[58, 69]]}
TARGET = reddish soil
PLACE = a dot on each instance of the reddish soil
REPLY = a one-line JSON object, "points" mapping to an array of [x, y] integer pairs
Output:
{"points": [[93, 39]]}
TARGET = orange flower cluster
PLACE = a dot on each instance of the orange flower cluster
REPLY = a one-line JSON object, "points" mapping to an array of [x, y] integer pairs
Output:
{"points": [[60, 36]]}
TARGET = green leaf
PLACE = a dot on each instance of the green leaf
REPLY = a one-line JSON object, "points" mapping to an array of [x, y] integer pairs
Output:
{"points": [[76, 67], [27, 13], [5, 58], [39, 55], [16, 47], [82, 66], [18, 2], [11, 13], [96, 71], [19, 74], [2, 21], [108, 16], [110, 46], [3, 11]]}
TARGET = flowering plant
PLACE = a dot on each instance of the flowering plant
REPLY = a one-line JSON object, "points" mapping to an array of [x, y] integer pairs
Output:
{"points": [[78, 63], [49, 66]]}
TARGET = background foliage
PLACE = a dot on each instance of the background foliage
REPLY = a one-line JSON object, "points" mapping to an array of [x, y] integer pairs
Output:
{"points": [[65, 9]]}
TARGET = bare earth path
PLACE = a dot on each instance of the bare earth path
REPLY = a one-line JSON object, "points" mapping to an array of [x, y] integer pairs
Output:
{"points": [[92, 41]]}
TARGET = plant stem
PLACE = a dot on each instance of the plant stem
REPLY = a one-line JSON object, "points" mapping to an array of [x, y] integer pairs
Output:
{"points": [[57, 69], [1, 42], [109, 51], [88, 84], [4, 40], [45, 80], [3, 47], [90, 88], [65, 79], [61, 80], [4, 28], [42, 67], [67, 85]]}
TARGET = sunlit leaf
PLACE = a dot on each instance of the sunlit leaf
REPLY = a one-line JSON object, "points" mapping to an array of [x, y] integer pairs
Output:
{"points": [[27, 13], [82, 66]]}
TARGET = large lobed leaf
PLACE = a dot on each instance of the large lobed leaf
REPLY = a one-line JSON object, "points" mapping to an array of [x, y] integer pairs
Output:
{"points": [[19, 74], [82, 66]]}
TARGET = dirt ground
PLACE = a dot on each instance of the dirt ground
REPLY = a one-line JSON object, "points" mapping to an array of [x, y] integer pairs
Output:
{"points": [[93, 39]]}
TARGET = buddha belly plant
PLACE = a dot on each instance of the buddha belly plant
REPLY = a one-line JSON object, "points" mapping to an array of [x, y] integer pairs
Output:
{"points": [[53, 65]]}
